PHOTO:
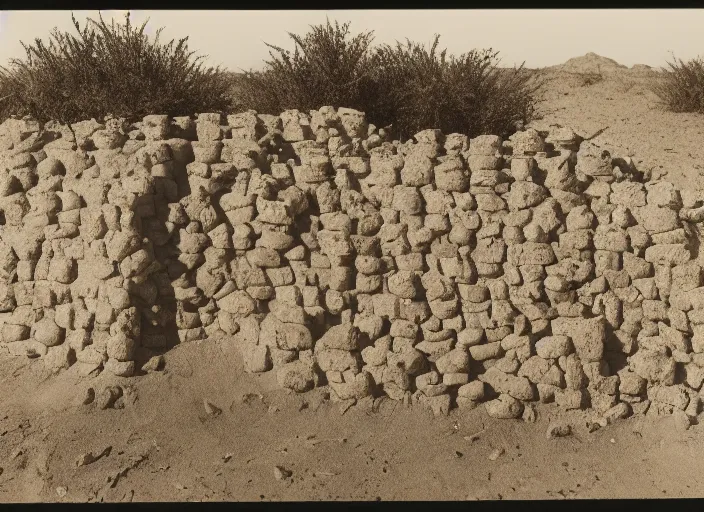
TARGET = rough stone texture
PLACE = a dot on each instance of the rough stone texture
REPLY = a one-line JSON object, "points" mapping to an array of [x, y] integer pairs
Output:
{"points": [[587, 335], [332, 255]]}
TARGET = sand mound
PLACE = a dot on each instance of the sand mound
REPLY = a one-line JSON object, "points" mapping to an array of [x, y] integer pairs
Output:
{"points": [[591, 63]]}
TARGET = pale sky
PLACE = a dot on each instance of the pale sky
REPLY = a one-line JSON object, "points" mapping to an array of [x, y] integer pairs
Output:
{"points": [[235, 39]]}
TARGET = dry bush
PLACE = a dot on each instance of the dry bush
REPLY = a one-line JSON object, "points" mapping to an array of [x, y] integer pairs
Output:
{"points": [[418, 88], [328, 66], [407, 85], [110, 69], [681, 87]]}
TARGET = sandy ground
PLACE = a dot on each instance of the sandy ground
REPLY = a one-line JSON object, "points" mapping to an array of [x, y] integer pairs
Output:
{"points": [[161, 445], [633, 121]]}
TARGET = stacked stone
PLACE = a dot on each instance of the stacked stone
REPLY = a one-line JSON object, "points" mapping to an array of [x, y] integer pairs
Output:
{"points": [[200, 239], [114, 192], [439, 271], [622, 291], [292, 272], [19, 254], [668, 344], [74, 243], [497, 341], [161, 155]]}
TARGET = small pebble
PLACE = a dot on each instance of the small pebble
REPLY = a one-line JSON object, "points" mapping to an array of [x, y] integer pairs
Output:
{"points": [[154, 364], [281, 473], [474, 437], [593, 426], [558, 429], [61, 491], [89, 458], [498, 452], [108, 397], [613, 441], [210, 409]]}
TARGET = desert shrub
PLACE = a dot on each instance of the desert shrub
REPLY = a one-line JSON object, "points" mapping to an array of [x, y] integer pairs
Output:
{"points": [[419, 87], [681, 87], [110, 69], [328, 66], [408, 85]]}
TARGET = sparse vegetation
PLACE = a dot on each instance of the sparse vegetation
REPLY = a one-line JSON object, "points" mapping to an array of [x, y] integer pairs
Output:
{"points": [[681, 88], [109, 69], [328, 66], [114, 68], [418, 88], [407, 85]]}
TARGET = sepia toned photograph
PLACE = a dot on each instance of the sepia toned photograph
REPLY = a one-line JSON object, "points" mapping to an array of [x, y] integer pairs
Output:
{"points": [[351, 255]]}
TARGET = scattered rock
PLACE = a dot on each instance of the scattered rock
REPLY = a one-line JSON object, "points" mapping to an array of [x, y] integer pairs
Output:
{"points": [[496, 453], [474, 437], [155, 364], [558, 429], [108, 396], [618, 411], [281, 473], [88, 458], [211, 409], [504, 407], [593, 426]]}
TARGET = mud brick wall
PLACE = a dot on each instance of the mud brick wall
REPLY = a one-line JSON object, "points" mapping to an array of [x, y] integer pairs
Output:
{"points": [[443, 271]]}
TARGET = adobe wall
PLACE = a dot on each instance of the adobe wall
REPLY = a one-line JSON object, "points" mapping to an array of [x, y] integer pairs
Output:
{"points": [[444, 271]]}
